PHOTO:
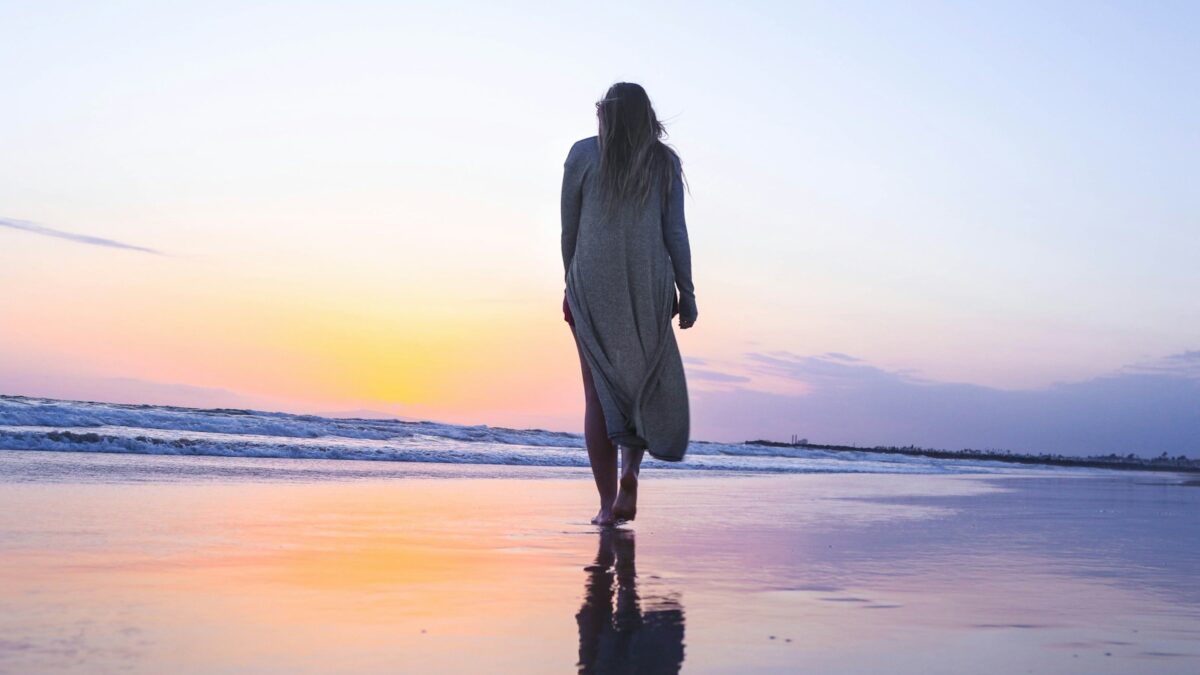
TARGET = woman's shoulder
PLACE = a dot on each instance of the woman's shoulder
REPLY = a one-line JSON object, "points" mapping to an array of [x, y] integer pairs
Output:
{"points": [[673, 154], [591, 142], [585, 147]]}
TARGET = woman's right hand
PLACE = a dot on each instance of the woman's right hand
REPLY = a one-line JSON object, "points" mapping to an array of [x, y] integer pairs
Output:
{"points": [[687, 311]]}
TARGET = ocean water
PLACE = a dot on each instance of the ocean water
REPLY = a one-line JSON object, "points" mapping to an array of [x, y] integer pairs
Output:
{"points": [[36, 424]]}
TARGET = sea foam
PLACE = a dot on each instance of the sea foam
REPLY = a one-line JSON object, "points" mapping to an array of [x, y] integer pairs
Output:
{"points": [[75, 426]]}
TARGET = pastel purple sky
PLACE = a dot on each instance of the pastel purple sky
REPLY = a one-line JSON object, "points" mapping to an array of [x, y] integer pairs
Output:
{"points": [[947, 225]]}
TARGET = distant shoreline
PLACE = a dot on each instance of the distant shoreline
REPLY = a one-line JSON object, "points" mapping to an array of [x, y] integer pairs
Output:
{"points": [[1113, 461]]}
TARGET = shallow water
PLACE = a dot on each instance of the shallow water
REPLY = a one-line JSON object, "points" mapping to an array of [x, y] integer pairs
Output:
{"points": [[130, 563]]}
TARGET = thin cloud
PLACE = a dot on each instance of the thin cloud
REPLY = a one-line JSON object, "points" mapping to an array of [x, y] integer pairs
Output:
{"points": [[1184, 364], [27, 226], [841, 357], [715, 375]]}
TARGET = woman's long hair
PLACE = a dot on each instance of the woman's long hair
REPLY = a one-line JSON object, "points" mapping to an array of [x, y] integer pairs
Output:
{"points": [[633, 158]]}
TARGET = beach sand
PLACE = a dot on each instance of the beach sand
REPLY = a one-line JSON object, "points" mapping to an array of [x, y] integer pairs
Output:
{"points": [[130, 563]]}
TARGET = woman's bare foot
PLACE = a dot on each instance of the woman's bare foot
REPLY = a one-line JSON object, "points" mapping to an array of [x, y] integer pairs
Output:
{"points": [[625, 506], [604, 518]]}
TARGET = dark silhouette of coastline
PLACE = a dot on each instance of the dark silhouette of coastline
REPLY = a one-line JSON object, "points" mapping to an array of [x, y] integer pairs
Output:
{"points": [[1112, 461], [625, 639]]}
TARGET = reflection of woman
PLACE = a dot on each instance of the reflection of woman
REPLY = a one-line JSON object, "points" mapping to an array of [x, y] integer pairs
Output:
{"points": [[625, 250], [627, 640]]}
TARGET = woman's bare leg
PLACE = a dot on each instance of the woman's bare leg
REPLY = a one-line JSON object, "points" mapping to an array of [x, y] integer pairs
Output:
{"points": [[601, 452], [625, 506]]}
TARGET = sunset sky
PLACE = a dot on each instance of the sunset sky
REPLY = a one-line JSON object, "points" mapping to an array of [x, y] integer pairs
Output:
{"points": [[941, 224]]}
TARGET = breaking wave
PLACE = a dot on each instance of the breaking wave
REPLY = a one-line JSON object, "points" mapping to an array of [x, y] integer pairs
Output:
{"points": [[74, 426]]}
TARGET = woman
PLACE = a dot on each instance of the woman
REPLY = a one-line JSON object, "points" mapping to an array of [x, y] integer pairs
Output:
{"points": [[625, 250]]}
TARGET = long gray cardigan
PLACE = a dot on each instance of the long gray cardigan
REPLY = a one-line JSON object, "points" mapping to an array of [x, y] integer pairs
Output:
{"points": [[621, 273]]}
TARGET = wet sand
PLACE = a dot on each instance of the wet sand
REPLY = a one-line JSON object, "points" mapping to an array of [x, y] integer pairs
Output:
{"points": [[123, 563]]}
